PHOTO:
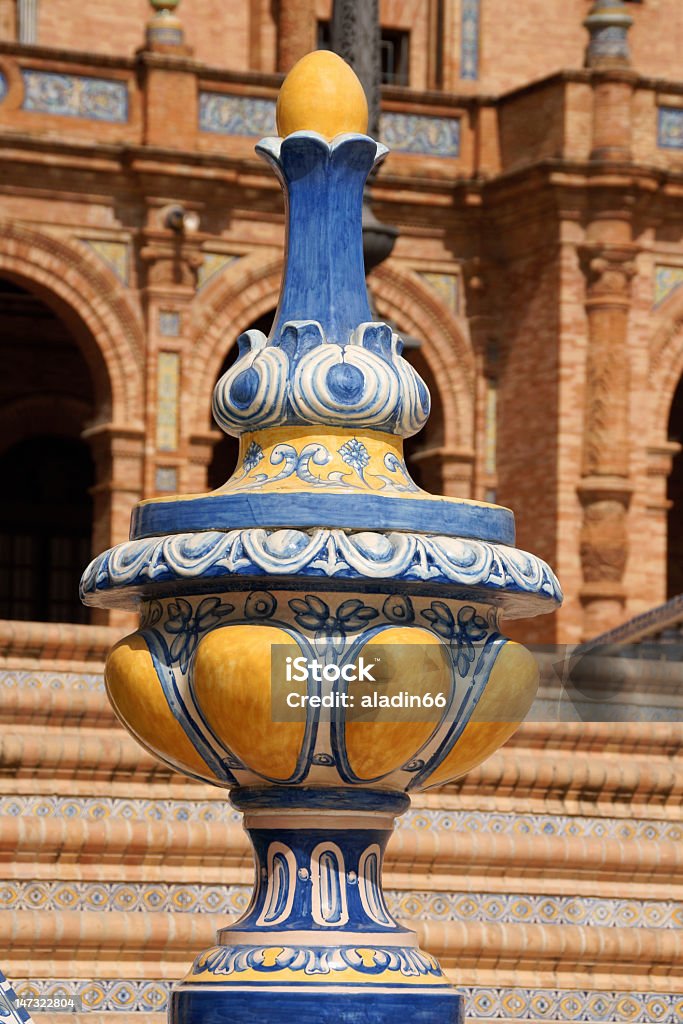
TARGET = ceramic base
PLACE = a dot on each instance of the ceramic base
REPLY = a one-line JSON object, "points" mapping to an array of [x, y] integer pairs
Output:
{"points": [[323, 1005], [317, 942]]}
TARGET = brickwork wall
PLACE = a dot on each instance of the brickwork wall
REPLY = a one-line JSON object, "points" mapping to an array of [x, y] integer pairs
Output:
{"points": [[518, 43], [545, 879]]}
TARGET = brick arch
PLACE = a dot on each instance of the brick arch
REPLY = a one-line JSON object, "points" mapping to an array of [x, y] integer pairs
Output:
{"points": [[403, 298], [250, 287], [666, 361], [90, 300], [240, 295]]}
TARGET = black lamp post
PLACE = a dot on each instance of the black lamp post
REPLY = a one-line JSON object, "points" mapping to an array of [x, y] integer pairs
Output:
{"points": [[355, 36]]}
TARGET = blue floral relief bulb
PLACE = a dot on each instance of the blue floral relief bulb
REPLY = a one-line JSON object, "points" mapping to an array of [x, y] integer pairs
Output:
{"points": [[319, 577]]}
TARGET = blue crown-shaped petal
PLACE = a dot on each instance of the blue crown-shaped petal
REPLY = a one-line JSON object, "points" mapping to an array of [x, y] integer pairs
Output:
{"points": [[303, 379], [326, 361]]}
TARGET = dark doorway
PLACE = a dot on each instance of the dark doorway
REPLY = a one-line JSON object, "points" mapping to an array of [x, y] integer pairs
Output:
{"points": [[45, 528], [46, 516], [675, 495]]}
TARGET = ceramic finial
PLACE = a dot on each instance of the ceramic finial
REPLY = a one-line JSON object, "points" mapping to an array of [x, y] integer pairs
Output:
{"points": [[322, 94], [164, 29], [608, 22]]}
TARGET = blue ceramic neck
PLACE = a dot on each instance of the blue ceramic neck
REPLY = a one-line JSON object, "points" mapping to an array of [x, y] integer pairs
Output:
{"points": [[317, 880], [324, 277]]}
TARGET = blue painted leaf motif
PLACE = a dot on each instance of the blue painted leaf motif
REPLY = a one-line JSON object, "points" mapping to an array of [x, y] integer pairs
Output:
{"points": [[310, 612], [470, 628], [441, 618], [396, 465], [318, 455], [151, 613], [354, 614], [281, 453], [186, 626], [252, 456]]}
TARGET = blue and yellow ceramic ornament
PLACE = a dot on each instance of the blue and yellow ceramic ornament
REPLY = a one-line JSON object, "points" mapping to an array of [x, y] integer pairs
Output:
{"points": [[320, 547]]}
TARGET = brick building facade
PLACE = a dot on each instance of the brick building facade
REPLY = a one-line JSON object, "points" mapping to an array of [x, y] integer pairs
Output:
{"points": [[538, 274]]}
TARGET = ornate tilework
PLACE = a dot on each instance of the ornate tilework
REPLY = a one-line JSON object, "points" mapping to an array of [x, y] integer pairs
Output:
{"points": [[540, 824], [667, 280], [115, 254], [168, 382], [446, 286], [166, 479], [469, 39], [218, 810], [102, 808], [169, 323], [519, 579], [38, 679], [512, 1004], [670, 127], [139, 897], [224, 114], [95, 99], [104, 994], [214, 263], [419, 133], [507, 908]]}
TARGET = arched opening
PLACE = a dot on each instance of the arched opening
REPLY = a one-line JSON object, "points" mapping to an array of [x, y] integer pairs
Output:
{"points": [[226, 450], [423, 451], [47, 399], [674, 581]]}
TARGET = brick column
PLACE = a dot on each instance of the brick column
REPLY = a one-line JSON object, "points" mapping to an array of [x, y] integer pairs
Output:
{"points": [[118, 452], [605, 487], [485, 333], [296, 31], [170, 260]]}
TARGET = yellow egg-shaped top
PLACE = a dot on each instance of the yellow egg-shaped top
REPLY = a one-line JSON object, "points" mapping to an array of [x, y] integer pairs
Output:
{"points": [[321, 94]]}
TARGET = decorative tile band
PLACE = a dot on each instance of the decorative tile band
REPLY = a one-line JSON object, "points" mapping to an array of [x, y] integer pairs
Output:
{"points": [[224, 114], [168, 383], [214, 263], [496, 823], [102, 808], [469, 39], [38, 679], [490, 908], [95, 99], [219, 811], [670, 127], [115, 254], [166, 479], [667, 280], [487, 1003], [169, 323], [446, 286], [419, 133]]}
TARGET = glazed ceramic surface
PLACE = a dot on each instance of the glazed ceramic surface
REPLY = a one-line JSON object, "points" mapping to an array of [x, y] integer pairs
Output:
{"points": [[322, 548]]}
